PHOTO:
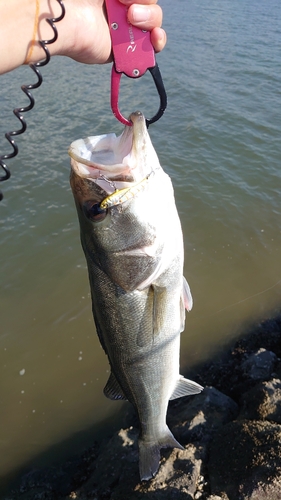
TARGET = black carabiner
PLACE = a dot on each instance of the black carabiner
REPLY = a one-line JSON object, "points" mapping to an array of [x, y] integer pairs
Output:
{"points": [[156, 75], [133, 54], [115, 84]]}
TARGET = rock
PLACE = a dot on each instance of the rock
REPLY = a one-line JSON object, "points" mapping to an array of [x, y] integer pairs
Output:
{"points": [[116, 476], [117, 462], [245, 461], [201, 416], [265, 334], [223, 458], [260, 365], [263, 402], [214, 497], [266, 492], [178, 476]]}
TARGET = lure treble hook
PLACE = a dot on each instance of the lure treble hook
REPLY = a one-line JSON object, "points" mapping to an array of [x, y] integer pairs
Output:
{"points": [[133, 55]]}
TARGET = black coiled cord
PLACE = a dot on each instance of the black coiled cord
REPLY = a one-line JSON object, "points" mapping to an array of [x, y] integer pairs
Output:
{"points": [[26, 89]]}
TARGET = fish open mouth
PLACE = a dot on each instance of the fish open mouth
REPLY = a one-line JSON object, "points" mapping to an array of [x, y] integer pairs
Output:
{"points": [[123, 158]]}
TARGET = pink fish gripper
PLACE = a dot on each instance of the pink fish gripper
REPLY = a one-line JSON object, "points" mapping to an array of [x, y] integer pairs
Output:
{"points": [[133, 55]]}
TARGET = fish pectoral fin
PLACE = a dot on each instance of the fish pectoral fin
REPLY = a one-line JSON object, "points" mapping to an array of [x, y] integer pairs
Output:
{"points": [[187, 297], [186, 387], [159, 304], [113, 390]]}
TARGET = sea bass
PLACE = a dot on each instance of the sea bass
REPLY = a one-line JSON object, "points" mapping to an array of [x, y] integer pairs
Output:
{"points": [[132, 239]]}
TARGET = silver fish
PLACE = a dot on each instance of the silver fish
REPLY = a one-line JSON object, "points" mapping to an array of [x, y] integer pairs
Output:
{"points": [[132, 239]]}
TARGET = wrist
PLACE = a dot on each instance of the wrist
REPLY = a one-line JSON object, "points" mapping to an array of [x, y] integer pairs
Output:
{"points": [[47, 10], [83, 33]]}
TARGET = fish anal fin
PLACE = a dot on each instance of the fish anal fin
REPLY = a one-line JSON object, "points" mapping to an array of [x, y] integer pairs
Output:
{"points": [[186, 387], [187, 297], [113, 390]]}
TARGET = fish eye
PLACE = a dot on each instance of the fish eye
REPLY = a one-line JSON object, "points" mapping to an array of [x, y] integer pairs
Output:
{"points": [[94, 212]]}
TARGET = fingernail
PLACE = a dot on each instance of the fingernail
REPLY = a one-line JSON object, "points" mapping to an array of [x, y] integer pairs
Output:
{"points": [[140, 14]]}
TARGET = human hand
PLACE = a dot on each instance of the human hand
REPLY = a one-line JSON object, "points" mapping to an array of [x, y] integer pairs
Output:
{"points": [[84, 33], [145, 14]]}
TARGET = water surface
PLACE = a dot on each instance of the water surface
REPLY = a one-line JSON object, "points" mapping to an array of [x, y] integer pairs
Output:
{"points": [[219, 140]]}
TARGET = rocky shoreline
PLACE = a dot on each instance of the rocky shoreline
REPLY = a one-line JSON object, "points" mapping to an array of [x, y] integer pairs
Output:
{"points": [[231, 433]]}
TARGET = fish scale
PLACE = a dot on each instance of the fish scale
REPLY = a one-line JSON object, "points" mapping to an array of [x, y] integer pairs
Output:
{"points": [[135, 263]]}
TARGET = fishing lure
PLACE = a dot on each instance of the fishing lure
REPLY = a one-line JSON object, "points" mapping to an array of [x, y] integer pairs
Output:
{"points": [[121, 195], [26, 89]]}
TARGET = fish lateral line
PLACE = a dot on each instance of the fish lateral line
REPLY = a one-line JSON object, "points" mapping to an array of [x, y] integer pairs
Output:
{"points": [[121, 195], [137, 304]]}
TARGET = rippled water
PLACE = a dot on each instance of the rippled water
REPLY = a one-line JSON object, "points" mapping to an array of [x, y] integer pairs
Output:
{"points": [[220, 142]]}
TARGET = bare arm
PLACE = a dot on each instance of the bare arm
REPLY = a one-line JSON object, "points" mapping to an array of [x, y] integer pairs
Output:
{"points": [[83, 33]]}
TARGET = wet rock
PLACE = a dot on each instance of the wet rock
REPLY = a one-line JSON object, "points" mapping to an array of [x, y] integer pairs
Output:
{"points": [[245, 461], [47, 484], [260, 365], [265, 334], [263, 402], [201, 416]]}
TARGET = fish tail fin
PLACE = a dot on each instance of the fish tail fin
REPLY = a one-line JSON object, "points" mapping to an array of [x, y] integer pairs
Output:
{"points": [[149, 454], [149, 457]]}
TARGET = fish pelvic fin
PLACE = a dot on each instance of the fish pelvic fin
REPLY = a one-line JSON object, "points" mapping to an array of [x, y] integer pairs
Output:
{"points": [[113, 390], [186, 387], [149, 454]]}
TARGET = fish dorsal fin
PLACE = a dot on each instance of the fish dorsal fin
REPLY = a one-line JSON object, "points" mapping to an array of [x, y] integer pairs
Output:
{"points": [[187, 297], [186, 387], [113, 390]]}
